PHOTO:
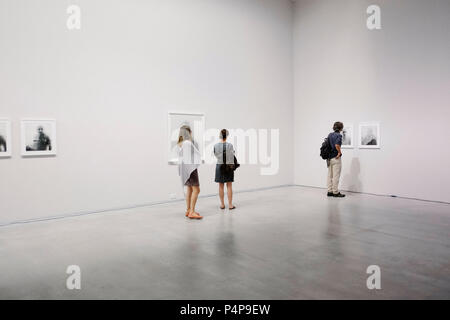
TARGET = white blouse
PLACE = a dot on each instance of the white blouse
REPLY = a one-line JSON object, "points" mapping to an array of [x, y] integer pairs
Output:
{"points": [[189, 159]]}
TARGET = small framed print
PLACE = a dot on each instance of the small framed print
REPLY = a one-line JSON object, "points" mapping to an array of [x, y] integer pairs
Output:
{"points": [[196, 123], [38, 137], [369, 135], [5, 138], [348, 137]]}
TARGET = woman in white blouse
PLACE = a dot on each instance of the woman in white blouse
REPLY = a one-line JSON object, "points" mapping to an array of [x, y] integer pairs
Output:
{"points": [[189, 160]]}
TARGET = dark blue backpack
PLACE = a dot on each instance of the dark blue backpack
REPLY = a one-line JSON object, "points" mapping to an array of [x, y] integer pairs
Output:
{"points": [[325, 149]]}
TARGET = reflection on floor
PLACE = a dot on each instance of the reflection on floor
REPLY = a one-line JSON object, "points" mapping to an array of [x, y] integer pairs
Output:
{"points": [[286, 243]]}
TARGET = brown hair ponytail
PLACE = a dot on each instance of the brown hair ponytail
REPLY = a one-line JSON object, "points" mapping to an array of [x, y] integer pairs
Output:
{"points": [[224, 134]]}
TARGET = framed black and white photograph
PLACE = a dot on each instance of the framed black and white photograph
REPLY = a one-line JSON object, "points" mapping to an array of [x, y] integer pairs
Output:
{"points": [[5, 138], [347, 136], [369, 135], [196, 121], [38, 137]]}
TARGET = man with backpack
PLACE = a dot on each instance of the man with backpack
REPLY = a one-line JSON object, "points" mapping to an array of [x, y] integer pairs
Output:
{"points": [[331, 151]]}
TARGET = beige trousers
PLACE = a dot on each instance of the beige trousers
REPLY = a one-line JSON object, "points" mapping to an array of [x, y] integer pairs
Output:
{"points": [[334, 173]]}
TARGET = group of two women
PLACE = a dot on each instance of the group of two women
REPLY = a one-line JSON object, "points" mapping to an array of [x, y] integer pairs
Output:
{"points": [[189, 159]]}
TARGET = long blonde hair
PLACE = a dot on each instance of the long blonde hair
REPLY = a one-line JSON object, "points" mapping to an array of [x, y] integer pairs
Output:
{"points": [[185, 134]]}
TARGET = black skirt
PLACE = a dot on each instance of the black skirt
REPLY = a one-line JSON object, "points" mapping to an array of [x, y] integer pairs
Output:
{"points": [[223, 178], [193, 180]]}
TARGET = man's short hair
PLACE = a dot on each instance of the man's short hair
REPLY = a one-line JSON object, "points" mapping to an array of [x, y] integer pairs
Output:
{"points": [[338, 126]]}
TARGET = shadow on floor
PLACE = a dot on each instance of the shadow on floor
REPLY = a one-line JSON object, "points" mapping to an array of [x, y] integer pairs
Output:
{"points": [[351, 180]]}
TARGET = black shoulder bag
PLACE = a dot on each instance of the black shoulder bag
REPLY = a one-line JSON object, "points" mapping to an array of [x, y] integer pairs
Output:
{"points": [[228, 168]]}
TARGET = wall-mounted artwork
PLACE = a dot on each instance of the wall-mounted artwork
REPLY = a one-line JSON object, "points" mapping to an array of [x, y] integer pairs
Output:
{"points": [[347, 136], [196, 121], [5, 138], [38, 137], [369, 135]]}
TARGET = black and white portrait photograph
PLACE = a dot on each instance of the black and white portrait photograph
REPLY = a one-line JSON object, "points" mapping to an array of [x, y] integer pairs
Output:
{"points": [[196, 123], [347, 136], [5, 138], [38, 137], [369, 135]]}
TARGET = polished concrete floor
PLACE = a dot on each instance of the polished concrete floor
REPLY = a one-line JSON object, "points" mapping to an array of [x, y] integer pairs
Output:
{"points": [[283, 243]]}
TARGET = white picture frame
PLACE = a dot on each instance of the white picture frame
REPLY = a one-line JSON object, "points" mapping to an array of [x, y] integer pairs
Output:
{"points": [[5, 138], [348, 136], [32, 141], [369, 135], [196, 120]]}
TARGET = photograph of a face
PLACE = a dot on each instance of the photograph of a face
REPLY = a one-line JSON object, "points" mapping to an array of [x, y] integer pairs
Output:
{"points": [[347, 136], [5, 138], [38, 137], [196, 121], [369, 135]]}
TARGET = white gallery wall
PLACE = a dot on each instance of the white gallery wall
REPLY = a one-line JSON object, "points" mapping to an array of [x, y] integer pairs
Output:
{"points": [[248, 64], [399, 76], [110, 85]]}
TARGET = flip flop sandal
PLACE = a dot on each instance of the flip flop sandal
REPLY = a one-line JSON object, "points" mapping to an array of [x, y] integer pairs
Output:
{"points": [[222, 207], [197, 217], [234, 207]]}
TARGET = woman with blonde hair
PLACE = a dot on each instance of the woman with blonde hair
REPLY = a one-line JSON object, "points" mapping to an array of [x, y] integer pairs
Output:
{"points": [[189, 160]]}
